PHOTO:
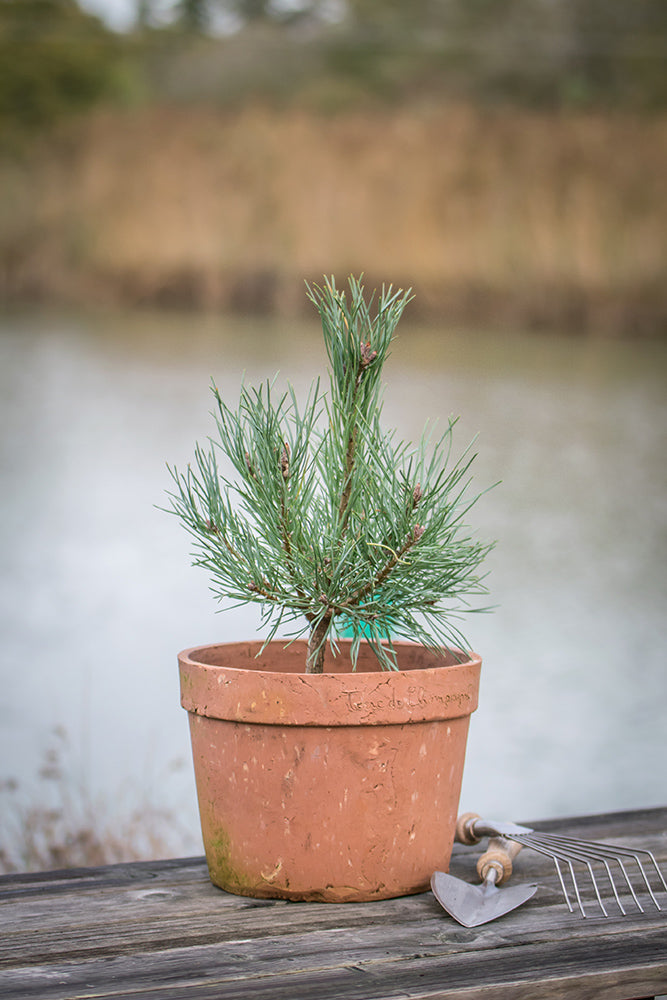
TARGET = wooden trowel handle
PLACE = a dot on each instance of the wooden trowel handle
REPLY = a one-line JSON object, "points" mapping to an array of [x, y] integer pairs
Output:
{"points": [[500, 853]]}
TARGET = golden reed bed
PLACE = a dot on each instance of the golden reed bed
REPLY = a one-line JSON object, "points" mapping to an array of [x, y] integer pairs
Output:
{"points": [[496, 217]]}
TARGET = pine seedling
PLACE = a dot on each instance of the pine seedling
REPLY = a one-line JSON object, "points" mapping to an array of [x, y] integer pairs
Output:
{"points": [[330, 523]]}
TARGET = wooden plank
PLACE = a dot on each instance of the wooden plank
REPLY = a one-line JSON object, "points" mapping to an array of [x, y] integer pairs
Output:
{"points": [[499, 975], [104, 923], [161, 929]]}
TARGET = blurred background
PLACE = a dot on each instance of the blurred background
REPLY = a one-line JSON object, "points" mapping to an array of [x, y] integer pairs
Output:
{"points": [[170, 173]]}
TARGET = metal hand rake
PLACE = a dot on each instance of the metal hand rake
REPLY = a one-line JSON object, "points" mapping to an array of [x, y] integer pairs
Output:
{"points": [[611, 861]]}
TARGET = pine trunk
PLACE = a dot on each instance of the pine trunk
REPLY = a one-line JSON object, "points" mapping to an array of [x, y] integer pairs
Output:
{"points": [[316, 647]]}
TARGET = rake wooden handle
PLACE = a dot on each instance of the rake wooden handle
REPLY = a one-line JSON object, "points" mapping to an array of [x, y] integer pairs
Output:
{"points": [[499, 855], [465, 832]]}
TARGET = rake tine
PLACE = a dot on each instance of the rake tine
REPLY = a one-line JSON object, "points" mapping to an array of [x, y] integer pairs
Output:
{"points": [[613, 886], [579, 856], [595, 886], [566, 850], [529, 842], [635, 855], [598, 856], [590, 850], [568, 857], [554, 858], [575, 852], [576, 888], [655, 865], [646, 882], [562, 885], [590, 846], [629, 883], [604, 852]]}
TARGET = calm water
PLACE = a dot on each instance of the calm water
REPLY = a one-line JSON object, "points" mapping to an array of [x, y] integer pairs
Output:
{"points": [[97, 596]]}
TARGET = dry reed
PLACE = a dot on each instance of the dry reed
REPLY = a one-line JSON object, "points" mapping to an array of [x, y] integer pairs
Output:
{"points": [[494, 216], [58, 825]]}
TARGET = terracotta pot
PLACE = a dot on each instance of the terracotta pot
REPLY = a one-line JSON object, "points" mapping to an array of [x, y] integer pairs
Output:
{"points": [[336, 787]]}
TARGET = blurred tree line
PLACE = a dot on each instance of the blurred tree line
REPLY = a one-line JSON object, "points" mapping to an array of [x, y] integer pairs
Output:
{"points": [[56, 59]]}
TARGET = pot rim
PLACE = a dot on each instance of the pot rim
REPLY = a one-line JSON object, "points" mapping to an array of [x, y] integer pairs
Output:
{"points": [[253, 694]]}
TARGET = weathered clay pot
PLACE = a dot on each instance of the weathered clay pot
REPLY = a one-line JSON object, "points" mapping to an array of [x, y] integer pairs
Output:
{"points": [[338, 786]]}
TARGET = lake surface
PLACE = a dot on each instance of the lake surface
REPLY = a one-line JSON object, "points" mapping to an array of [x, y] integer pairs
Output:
{"points": [[97, 595]]}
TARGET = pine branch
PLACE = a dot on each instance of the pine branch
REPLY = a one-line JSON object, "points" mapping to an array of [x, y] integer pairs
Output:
{"points": [[381, 576], [327, 517]]}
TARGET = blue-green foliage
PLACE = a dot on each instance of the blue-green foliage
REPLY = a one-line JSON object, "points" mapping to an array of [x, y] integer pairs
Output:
{"points": [[329, 521]]}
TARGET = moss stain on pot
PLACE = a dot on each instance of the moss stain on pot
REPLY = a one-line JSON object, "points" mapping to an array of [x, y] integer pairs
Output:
{"points": [[221, 869]]}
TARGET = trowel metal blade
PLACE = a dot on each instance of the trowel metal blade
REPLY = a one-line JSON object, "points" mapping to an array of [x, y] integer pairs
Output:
{"points": [[473, 905]]}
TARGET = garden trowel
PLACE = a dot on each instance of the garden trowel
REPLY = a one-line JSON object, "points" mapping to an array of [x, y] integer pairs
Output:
{"points": [[472, 905]]}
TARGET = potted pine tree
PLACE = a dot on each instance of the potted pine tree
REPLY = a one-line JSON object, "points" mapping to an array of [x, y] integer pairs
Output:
{"points": [[329, 761]]}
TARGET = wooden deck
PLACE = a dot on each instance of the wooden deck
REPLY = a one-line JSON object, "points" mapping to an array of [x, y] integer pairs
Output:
{"points": [[161, 930]]}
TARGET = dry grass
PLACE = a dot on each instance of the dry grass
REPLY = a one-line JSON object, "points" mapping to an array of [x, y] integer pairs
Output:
{"points": [[66, 829], [493, 216]]}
